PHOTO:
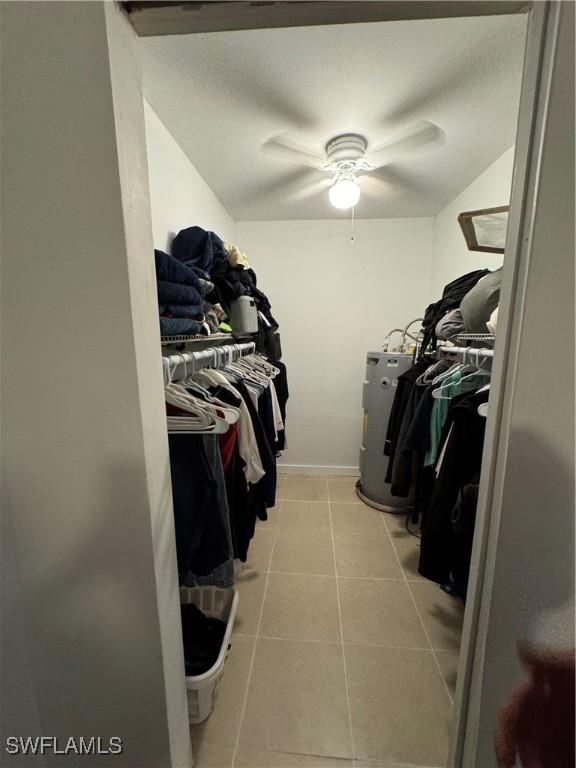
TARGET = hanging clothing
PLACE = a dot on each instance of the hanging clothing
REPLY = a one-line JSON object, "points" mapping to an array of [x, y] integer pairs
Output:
{"points": [[242, 517], [267, 483], [462, 457], [248, 445], [280, 382], [203, 536], [228, 442], [455, 384], [413, 440], [405, 382], [463, 519]]}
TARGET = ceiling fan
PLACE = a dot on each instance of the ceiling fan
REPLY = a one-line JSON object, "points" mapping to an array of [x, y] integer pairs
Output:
{"points": [[348, 158]]}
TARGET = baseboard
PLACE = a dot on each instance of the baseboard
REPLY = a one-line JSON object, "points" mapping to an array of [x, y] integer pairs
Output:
{"points": [[314, 469]]}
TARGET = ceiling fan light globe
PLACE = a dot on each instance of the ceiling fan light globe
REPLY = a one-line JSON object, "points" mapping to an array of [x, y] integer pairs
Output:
{"points": [[344, 194]]}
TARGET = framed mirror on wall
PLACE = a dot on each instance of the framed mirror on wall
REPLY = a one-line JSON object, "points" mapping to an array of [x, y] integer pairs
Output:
{"points": [[485, 230]]}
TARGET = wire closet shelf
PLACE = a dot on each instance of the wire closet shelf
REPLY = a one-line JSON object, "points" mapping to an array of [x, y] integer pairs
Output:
{"points": [[196, 339], [487, 338]]}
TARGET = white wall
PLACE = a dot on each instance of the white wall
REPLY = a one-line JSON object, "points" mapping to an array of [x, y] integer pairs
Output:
{"points": [[87, 528], [179, 195], [334, 303], [451, 256]]}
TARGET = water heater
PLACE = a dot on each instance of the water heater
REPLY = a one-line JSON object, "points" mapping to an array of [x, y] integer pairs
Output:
{"points": [[380, 383]]}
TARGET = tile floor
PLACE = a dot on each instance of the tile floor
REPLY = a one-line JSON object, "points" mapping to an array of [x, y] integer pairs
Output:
{"points": [[342, 655]]}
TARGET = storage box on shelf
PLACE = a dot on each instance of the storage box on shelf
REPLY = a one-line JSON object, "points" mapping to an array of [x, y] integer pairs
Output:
{"points": [[244, 315]]}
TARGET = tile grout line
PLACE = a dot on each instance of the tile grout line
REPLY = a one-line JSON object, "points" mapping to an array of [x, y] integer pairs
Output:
{"points": [[338, 642], [352, 744], [253, 655], [324, 501], [438, 667], [344, 578]]}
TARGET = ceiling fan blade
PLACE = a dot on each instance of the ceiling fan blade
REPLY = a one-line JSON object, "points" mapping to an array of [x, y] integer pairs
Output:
{"points": [[285, 148], [281, 186], [377, 188], [310, 190], [420, 135]]}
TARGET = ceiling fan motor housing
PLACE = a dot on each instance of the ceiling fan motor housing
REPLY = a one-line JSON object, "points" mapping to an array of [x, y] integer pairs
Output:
{"points": [[347, 148]]}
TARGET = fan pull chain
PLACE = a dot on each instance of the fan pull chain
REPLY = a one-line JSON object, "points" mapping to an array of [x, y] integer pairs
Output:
{"points": [[352, 238]]}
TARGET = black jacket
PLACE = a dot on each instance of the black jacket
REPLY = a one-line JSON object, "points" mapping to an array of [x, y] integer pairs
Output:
{"points": [[463, 520], [401, 399], [452, 296], [461, 461]]}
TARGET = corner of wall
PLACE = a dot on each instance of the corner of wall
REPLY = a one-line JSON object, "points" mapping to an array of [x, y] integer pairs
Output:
{"points": [[179, 195]]}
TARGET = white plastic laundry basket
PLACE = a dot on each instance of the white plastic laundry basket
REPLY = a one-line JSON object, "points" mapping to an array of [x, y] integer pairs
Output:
{"points": [[216, 603]]}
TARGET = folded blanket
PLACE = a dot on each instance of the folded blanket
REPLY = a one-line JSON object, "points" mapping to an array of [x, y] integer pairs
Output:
{"points": [[179, 326], [175, 293], [192, 311], [170, 270]]}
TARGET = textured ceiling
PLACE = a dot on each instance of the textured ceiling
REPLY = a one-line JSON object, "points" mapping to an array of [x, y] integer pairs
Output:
{"points": [[222, 95]]}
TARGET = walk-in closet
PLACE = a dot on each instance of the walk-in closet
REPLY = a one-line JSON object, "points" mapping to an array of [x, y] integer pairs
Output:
{"points": [[329, 206], [288, 384]]}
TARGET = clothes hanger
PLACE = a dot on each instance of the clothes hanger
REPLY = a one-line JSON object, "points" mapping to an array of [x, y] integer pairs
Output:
{"points": [[438, 380], [229, 412], [437, 393], [245, 372], [430, 374], [448, 385], [196, 414], [258, 360], [479, 370], [223, 410], [249, 373], [203, 419], [460, 365], [185, 425]]}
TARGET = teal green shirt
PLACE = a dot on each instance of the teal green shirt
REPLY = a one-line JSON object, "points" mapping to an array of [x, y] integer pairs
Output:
{"points": [[452, 386]]}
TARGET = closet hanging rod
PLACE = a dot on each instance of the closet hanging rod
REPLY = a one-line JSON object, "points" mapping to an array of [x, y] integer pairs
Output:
{"points": [[467, 353], [177, 367]]}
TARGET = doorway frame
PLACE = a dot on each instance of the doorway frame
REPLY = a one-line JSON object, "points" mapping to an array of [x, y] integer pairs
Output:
{"points": [[542, 30], [541, 36]]}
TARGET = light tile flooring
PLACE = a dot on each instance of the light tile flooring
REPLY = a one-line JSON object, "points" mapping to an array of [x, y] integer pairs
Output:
{"points": [[342, 656]]}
